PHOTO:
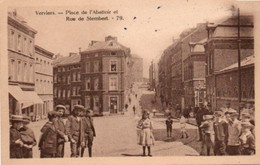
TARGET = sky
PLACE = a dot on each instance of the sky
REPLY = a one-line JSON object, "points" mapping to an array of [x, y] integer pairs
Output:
{"points": [[148, 27]]}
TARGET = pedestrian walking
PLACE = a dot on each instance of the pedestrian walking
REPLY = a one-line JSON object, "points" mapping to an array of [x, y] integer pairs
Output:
{"points": [[234, 132], [75, 131], [199, 118], [145, 138], [129, 100], [48, 140], [60, 127], [16, 143], [221, 133], [169, 123], [134, 110], [28, 138], [136, 95], [90, 132], [126, 107], [183, 122], [247, 139]]}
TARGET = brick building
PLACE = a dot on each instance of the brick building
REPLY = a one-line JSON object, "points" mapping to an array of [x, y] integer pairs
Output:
{"points": [[67, 80], [21, 66], [135, 68], [194, 75], [103, 76], [222, 52], [43, 81]]}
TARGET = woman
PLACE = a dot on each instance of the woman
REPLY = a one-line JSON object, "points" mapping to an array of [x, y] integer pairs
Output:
{"points": [[145, 138]]}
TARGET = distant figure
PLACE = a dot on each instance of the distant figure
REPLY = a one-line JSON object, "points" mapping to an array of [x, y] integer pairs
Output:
{"points": [[126, 106], [183, 121], [134, 109], [129, 99], [208, 133], [168, 123], [136, 96]]}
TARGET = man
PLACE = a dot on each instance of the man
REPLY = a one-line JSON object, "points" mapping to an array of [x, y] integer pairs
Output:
{"points": [[48, 140], [60, 127], [199, 119], [169, 123], [16, 143], [228, 107], [28, 138], [134, 109], [221, 133], [74, 130], [209, 135], [234, 131], [89, 131]]}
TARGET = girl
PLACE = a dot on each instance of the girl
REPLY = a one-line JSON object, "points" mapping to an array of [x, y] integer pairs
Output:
{"points": [[145, 138]]}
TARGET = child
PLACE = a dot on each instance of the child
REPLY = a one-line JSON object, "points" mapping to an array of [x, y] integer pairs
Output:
{"points": [[183, 121], [169, 122], [247, 139]]}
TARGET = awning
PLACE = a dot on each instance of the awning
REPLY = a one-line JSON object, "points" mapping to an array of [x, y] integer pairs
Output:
{"points": [[25, 98]]}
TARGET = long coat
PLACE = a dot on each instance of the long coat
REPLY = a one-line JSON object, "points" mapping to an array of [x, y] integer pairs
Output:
{"points": [[48, 140], [15, 149], [221, 131], [60, 127], [27, 137], [74, 129]]}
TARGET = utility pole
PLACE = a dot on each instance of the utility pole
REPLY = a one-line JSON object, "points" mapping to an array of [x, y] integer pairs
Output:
{"points": [[239, 60]]}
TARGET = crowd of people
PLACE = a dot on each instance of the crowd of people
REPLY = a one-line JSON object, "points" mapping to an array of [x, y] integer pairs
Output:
{"points": [[78, 129], [226, 131]]}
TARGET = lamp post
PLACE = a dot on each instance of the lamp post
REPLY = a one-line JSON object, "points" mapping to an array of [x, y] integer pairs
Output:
{"points": [[239, 59]]}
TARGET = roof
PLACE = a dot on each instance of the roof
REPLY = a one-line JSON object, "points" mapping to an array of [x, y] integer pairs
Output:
{"points": [[199, 46], [44, 51], [67, 60], [245, 62], [228, 28], [135, 56], [111, 45]]}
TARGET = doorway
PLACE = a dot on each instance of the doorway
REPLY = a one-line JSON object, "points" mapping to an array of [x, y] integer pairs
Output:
{"points": [[113, 105]]}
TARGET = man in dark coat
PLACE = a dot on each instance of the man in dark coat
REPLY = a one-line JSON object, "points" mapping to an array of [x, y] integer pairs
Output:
{"points": [[75, 131], [221, 133], [48, 139], [199, 119], [28, 138], [16, 143], [60, 126], [90, 132]]}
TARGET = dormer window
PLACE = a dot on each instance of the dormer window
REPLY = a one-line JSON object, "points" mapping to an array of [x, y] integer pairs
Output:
{"points": [[113, 53]]}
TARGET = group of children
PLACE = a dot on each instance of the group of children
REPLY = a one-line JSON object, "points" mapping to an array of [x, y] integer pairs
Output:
{"points": [[78, 129], [227, 133]]}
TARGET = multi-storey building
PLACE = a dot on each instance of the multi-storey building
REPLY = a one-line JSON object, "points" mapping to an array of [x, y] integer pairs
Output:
{"points": [[222, 53], [43, 80], [194, 75], [21, 60], [103, 76], [135, 68], [67, 81]]}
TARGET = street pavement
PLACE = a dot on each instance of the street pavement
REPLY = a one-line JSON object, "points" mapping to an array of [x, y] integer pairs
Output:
{"points": [[117, 135]]}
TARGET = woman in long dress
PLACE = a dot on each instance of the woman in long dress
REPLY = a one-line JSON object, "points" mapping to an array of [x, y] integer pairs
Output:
{"points": [[145, 138]]}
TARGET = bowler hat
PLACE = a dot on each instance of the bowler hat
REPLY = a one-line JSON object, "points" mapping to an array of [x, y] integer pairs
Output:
{"points": [[26, 119], [53, 114], [16, 118]]}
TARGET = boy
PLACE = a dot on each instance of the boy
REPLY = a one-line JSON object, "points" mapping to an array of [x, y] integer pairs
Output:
{"points": [[183, 121], [16, 143], [168, 123], [209, 136], [247, 139]]}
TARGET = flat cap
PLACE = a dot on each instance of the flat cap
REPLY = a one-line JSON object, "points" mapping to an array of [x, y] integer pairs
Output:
{"points": [[26, 119], [79, 107], [60, 107]]}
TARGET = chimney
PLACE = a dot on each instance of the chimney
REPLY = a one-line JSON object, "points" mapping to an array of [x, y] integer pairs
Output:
{"points": [[92, 43], [109, 38]]}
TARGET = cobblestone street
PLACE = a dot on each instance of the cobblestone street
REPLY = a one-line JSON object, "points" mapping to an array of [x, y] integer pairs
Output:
{"points": [[117, 136]]}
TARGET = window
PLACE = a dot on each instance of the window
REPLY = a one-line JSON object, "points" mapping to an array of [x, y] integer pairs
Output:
{"points": [[78, 77], [74, 77], [68, 79], [113, 83], [20, 76], [25, 72], [113, 53], [113, 66], [12, 69], [55, 91], [88, 85], [78, 91], [64, 93], [30, 48], [64, 79], [96, 66], [12, 40], [19, 43], [87, 67], [87, 102], [31, 76], [68, 93], [59, 93], [25, 45], [96, 81], [74, 91]]}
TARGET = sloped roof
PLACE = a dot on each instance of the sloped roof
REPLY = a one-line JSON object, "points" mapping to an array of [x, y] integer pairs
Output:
{"points": [[228, 28], [67, 60], [199, 45], [245, 62], [111, 45]]}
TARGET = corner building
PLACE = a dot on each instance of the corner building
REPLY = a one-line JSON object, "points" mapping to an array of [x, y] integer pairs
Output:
{"points": [[103, 76]]}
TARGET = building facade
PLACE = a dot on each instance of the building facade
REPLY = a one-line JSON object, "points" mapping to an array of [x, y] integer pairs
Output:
{"points": [[103, 76], [67, 81], [222, 52], [135, 68], [21, 63], [43, 81]]}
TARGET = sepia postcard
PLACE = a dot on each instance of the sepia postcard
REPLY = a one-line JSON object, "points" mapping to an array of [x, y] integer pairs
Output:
{"points": [[129, 82]]}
